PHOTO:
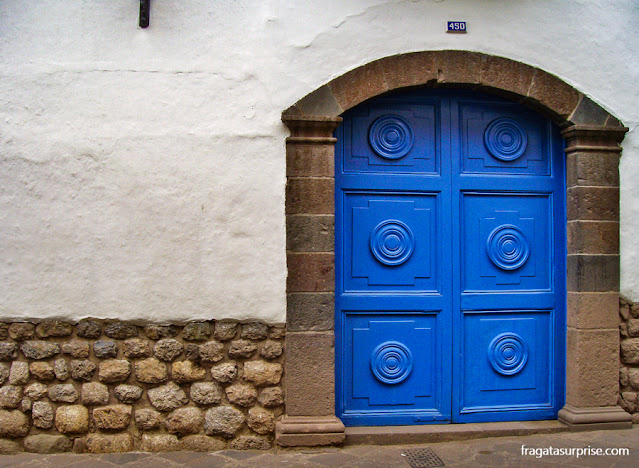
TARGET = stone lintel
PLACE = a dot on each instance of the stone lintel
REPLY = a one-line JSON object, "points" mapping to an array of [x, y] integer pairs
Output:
{"points": [[595, 417], [296, 431]]}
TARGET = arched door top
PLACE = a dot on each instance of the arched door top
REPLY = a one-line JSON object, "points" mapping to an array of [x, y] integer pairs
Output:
{"points": [[514, 80]]}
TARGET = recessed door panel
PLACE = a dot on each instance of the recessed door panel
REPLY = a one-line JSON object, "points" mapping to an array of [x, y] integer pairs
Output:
{"points": [[392, 240]]}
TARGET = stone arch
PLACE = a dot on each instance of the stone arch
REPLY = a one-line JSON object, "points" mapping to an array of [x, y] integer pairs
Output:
{"points": [[592, 136]]}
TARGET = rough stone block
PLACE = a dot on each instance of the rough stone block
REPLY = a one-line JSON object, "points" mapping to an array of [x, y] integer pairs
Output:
{"points": [[42, 414], [201, 443], [65, 393], [262, 373], [21, 331], [550, 92], [310, 160], [120, 331], [167, 397], [82, 369], [39, 349], [76, 349], [310, 311], [136, 348], [225, 372], [8, 351], [184, 421], [358, 85], [61, 369], [13, 424], [10, 396], [592, 169], [187, 371], [89, 329], [128, 393], [593, 237], [104, 349], [73, 419], [261, 420], [310, 233], [630, 351], [103, 443], [53, 328], [254, 331], [112, 417], [241, 394], [148, 419], [250, 443], [205, 393], [95, 393], [35, 391], [168, 349], [19, 373], [413, 69], [593, 273], [319, 102], [151, 371], [310, 374], [305, 195], [271, 349], [159, 443], [157, 332], [114, 370], [271, 397], [223, 420], [47, 443], [41, 371], [592, 377], [458, 67], [310, 272], [225, 331], [212, 351], [196, 331], [593, 203], [507, 75], [593, 309], [241, 349]]}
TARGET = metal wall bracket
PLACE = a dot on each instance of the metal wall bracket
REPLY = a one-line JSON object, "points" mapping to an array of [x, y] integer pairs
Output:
{"points": [[145, 13]]}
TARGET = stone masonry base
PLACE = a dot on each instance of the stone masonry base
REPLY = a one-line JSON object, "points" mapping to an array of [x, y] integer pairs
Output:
{"points": [[100, 386]]}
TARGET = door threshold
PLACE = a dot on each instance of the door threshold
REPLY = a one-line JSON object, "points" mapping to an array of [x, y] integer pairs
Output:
{"points": [[400, 435]]}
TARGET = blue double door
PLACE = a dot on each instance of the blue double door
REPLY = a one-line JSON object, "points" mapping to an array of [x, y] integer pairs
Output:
{"points": [[450, 261]]}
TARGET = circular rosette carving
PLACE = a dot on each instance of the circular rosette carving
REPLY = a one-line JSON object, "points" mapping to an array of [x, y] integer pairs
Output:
{"points": [[392, 242], [391, 362], [508, 353], [505, 139], [391, 137], [507, 247]]}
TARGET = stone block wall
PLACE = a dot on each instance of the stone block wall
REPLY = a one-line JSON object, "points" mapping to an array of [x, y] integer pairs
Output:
{"points": [[629, 357], [100, 386]]}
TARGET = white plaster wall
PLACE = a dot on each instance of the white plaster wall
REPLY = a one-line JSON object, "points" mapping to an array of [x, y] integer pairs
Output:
{"points": [[142, 172]]}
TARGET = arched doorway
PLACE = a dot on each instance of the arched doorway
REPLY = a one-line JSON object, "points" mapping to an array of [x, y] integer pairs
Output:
{"points": [[591, 138]]}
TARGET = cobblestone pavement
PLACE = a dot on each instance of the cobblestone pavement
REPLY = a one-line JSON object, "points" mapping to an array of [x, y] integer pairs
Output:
{"points": [[506, 451]]}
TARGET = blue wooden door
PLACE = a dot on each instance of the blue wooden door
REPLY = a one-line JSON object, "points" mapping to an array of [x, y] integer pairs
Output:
{"points": [[450, 261]]}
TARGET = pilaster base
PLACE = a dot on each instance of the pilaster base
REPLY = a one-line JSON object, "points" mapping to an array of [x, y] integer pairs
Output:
{"points": [[596, 417], [306, 431]]}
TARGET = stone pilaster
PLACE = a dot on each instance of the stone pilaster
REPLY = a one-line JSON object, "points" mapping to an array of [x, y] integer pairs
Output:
{"points": [[310, 218], [592, 379]]}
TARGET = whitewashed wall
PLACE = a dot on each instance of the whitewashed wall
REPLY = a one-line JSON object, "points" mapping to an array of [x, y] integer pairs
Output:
{"points": [[142, 172]]}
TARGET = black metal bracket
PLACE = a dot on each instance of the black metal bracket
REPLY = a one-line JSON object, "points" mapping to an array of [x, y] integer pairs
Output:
{"points": [[145, 13]]}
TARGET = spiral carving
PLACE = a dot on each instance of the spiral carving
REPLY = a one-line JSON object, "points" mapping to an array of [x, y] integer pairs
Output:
{"points": [[391, 362], [392, 242], [508, 353], [391, 137], [505, 139], [507, 247]]}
